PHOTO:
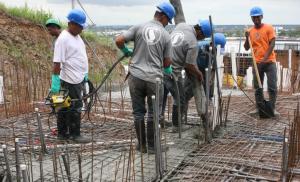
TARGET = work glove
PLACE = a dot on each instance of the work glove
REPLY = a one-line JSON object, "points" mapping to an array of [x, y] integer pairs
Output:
{"points": [[127, 51], [86, 77], [168, 70], [55, 85]]}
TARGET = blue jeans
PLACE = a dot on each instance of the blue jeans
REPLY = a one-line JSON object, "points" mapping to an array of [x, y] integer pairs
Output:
{"points": [[270, 69], [140, 90], [169, 86]]}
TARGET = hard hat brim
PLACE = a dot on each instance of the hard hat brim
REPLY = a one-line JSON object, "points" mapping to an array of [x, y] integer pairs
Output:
{"points": [[83, 25], [257, 14]]}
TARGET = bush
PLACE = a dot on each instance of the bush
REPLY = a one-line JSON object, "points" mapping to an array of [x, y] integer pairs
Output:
{"points": [[36, 16]]}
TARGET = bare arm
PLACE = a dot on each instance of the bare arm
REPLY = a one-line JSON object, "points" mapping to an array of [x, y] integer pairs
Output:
{"points": [[120, 41], [246, 44], [193, 70], [270, 49], [56, 68], [167, 62]]}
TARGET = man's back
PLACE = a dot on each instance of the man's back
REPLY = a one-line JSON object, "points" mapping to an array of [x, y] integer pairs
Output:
{"points": [[151, 45], [184, 47]]}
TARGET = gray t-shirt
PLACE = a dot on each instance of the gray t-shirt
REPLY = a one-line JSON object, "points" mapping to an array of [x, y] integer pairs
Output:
{"points": [[152, 43], [184, 47]]}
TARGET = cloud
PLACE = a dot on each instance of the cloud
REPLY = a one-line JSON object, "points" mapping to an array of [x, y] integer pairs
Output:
{"points": [[129, 12], [106, 2]]}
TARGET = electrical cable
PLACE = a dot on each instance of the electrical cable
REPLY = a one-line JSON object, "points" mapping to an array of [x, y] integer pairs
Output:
{"points": [[85, 12]]}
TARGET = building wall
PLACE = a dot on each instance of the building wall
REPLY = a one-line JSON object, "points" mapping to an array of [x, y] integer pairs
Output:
{"points": [[245, 61]]}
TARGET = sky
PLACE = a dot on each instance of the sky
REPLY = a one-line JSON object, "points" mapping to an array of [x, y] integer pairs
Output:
{"points": [[130, 12]]}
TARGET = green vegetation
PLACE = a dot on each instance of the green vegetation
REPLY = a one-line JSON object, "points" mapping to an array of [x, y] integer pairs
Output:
{"points": [[91, 36], [22, 54], [36, 16], [290, 33]]}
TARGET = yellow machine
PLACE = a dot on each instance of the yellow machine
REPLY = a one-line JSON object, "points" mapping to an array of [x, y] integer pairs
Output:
{"points": [[59, 100]]}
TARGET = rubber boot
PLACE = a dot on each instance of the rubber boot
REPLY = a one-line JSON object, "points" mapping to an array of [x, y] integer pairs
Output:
{"points": [[140, 134], [185, 113], [62, 124], [75, 123], [175, 116], [150, 133]]}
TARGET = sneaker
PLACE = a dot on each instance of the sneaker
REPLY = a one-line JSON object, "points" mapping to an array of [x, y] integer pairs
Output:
{"points": [[81, 139]]}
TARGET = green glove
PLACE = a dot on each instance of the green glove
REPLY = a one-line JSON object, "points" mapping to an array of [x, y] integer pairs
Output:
{"points": [[127, 51], [168, 70], [55, 86], [86, 77]]}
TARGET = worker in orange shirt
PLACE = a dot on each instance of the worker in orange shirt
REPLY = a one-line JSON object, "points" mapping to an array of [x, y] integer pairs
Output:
{"points": [[262, 37]]}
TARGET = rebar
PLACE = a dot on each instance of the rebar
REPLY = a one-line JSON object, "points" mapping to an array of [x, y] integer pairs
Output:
{"points": [[41, 133], [8, 172], [24, 172], [17, 155]]}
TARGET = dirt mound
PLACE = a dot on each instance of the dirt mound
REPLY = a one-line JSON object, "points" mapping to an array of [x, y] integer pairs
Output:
{"points": [[26, 63]]}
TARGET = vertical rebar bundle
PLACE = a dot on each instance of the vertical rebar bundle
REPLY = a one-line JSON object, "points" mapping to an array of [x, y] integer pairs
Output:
{"points": [[41, 133], [8, 172], [24, 173], [17, 154]]}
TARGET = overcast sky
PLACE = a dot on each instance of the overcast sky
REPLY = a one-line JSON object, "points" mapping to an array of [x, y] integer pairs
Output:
{"points": [[128, 12]]}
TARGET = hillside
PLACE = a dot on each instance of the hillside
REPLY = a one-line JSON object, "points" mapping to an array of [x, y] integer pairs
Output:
{"points": [[26, 62]]}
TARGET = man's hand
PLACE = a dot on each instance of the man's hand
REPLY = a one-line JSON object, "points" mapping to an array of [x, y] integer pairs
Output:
{"points": [[86, 77], [55, 84], [168, 70], [246, 44], [247, 34], [127, 51]]}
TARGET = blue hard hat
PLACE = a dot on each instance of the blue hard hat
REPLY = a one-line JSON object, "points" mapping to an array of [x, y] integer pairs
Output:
{"points": [[77, 16], [168, 10], [220, 39], [205, 27], [256, 11]]}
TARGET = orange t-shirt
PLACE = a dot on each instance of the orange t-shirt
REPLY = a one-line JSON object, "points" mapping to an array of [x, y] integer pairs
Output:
{"points": [[260, 39]]}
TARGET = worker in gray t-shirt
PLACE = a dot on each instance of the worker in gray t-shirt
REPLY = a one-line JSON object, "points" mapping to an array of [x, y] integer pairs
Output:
{"points": [[151, 54], [184, 56]]}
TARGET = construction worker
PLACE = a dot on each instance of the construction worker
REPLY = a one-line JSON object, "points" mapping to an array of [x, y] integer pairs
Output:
{"points": [[202, 63], [262, 38], [151, 54], [70, 69], [53, 27], [184, 55]]}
